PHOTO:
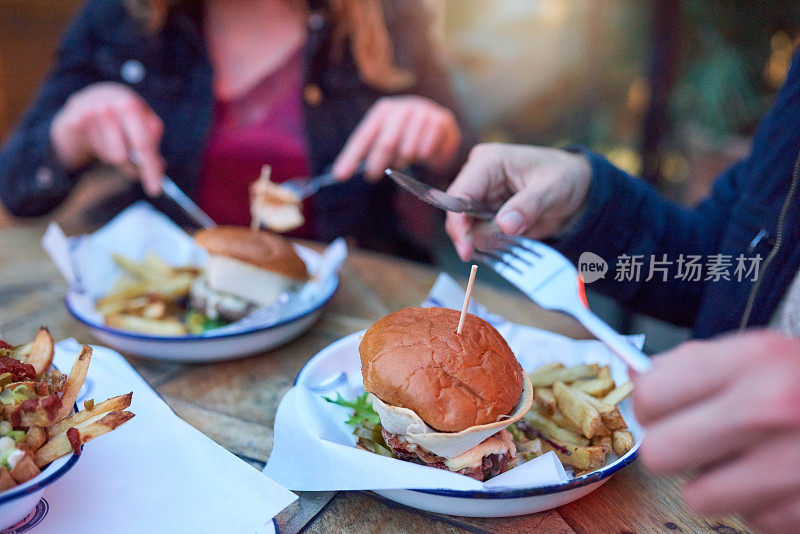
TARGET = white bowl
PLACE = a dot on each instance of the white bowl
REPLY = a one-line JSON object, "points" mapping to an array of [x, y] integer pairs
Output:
{"points": [[341, 358], [195, 348], [210, 346]]}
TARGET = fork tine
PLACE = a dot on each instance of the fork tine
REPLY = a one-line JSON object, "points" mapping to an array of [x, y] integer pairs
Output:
{"points": [[510, 258], [524, 254], [508, 272], [534, 247]]}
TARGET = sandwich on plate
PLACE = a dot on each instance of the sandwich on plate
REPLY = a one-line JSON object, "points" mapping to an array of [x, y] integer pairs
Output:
{"points": [[246, 270], [443, 399]]}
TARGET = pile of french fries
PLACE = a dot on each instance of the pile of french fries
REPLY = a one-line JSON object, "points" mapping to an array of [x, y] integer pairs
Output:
{"points": [[147, 297], [575, 414], [37, 410]]}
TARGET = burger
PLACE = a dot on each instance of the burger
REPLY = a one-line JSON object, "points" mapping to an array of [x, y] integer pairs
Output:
{"points": [[246, 270], [445, 399]]}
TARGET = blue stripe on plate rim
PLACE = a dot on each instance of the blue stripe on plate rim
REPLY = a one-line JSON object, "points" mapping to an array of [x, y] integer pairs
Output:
{"points": [[14, 494], [199, 337], [584, 480]]}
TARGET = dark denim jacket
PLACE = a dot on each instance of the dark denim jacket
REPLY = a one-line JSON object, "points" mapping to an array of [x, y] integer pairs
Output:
{"points": [[177, 84], [739, 216]]}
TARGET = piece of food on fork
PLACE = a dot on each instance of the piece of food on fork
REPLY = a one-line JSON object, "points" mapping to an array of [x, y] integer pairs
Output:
{"points": [[274, 207]]}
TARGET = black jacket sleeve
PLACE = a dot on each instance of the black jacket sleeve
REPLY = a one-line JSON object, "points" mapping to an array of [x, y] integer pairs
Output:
{"points": [[628, 217], [31, 180]]}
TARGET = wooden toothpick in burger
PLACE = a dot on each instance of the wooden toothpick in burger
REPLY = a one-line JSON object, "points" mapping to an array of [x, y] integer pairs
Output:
{"points": [[467, 296]]}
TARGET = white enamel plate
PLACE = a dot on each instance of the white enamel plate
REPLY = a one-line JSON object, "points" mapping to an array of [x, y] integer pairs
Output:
{"points": [[341, 359], [289, 320]]}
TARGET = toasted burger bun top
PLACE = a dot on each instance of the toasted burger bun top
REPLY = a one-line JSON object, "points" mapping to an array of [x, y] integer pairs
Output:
{"points": [[414, 359], [262, 249]]}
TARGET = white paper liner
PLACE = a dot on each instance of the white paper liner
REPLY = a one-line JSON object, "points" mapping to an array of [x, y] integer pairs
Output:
{"points": [[155, 473], [86, 263]]}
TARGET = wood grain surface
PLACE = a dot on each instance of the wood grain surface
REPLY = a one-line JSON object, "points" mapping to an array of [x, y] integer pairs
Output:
{"points": [[234, 402]]}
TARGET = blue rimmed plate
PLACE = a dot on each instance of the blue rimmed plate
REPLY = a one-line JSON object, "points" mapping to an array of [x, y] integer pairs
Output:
{"points": [[289, 320], [332, 366]]}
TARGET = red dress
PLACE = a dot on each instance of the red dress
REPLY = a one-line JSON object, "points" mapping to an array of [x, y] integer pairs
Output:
{"points": [[262, 126]]}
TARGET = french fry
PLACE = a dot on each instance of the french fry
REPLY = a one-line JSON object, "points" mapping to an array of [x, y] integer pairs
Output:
{"points": [[575, 411], [114, 404], [35, 437], [551, 430], [602, 429], [591, 457], [118, 306], [169, 288], [74, 382], [596, 387], [545, 400], [137, 269], [117, 300], [6, 480], [41, 354], [146, 297], [543, 370], [549, 376], [613, 419], [622, 441], [604, 441], [153, 264], [157, 327], [573, 404], [609, 413], [25, 470], [559, 419], [60, 445], [619, 393]]}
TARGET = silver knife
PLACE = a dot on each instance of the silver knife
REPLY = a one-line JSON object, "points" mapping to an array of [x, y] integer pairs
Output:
{"points": [[170, 189], [440, 199], [180, 198]]}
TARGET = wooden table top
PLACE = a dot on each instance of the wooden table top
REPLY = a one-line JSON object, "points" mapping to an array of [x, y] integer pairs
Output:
{"points": [[234, 402]]}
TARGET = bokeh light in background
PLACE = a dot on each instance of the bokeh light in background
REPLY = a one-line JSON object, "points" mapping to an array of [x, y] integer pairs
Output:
{"points": [[530, 71], [562, 71]]}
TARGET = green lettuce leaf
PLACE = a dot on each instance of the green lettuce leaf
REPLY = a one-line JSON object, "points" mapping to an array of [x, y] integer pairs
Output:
{"points": [[362, 410]]}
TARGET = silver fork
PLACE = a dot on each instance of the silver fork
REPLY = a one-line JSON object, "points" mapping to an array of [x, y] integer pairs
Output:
{"points": [[305, 187], [551, 281]]}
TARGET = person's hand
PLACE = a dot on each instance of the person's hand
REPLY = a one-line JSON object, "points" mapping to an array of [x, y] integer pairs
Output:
{"points": [[536, 190], [110, 122], [399, 131], [727, 411]]}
